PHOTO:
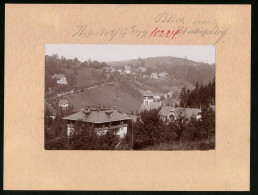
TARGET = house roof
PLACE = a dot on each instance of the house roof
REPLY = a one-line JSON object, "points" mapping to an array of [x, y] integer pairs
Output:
{"points": [[63, 102], [150, 106], [58, 76], [97, 116], [187, 112], [148, 93], [142, 69]]}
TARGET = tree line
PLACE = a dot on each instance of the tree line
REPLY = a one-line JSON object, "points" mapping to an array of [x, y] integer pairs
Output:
{"points": [[201, 96]]}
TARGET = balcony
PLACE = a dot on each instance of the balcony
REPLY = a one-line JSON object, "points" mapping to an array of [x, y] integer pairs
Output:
{"points": [[111, 127]]}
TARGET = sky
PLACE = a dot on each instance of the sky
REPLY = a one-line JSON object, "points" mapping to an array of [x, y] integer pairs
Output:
{"points": [[116, 52]]}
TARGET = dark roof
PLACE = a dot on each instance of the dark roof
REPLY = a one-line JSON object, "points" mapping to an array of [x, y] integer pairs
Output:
{"points": [[63, 102], [150, 106], [148, 93], [97, 116], [187, 112], [58, 76]]}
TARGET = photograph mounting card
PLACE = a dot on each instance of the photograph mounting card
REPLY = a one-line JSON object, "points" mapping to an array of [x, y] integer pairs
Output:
{"points": [[139, 97]]}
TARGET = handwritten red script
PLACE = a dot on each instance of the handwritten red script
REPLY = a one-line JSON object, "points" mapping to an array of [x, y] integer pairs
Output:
{"points": [[164, 33]]}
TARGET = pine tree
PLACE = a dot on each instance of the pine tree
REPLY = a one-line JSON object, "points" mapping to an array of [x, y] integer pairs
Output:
{"points": [[183, 97]]}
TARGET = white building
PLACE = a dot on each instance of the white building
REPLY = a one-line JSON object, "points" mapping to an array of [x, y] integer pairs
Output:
{"points": [[101, 120], [163, 75], [127, 70], [63, 104], [141, 69], [154, 75], [148, 102], [60, 79]]}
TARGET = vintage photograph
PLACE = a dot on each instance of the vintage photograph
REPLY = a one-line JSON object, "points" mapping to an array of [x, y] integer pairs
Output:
{"points": [[129, 97]]}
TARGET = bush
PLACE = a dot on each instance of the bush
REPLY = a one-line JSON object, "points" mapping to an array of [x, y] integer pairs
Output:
{"points": [[149, 130], [83, 138]]}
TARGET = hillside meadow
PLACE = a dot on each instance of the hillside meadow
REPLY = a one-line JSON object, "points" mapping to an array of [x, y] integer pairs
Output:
{"points": [[105, 96]]}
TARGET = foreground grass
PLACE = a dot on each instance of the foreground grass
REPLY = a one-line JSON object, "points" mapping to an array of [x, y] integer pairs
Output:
{"points": [[208, 144]]}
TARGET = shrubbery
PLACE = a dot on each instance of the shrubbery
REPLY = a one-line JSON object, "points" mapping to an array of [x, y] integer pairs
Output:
{"points": [[150, 130], [83, 138]]}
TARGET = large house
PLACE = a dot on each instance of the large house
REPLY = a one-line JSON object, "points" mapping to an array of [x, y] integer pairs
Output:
{"points": [[101, 119], [60, 79]]}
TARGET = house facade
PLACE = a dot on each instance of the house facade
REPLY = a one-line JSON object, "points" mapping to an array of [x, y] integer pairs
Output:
{"points": [[141, 69], [154, 75], [127, 70], [64, 104], [60, 79], [169, 113], [163, 75], [101, 119], [148, 102]]}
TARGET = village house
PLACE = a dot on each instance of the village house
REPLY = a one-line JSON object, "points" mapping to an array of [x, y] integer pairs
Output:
{"points": [[154, 75], [63, 104], [101, 119], [127, 70], [213, 107], [148, 102], [169, 113], [141, 69], [158, 96], [170, 93], [112, 69], [60, 79], [163, 75]]}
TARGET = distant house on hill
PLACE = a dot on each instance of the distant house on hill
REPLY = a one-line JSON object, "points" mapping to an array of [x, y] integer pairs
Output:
{"points": [[154, 75], [163, 75], [141, 69], [213, 107], [63, 104], [158, 96], [169, 113], [112, 69], [170, 94], [127, 70], [101, 119], [60, 79]]}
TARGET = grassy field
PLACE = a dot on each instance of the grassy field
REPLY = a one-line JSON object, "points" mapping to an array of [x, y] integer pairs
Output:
{"points": [[84, 77], [208, 144], [105, 96]]}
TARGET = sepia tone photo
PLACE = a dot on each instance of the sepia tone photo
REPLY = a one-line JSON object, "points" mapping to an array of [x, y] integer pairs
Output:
{"points": [[129, 97]]}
